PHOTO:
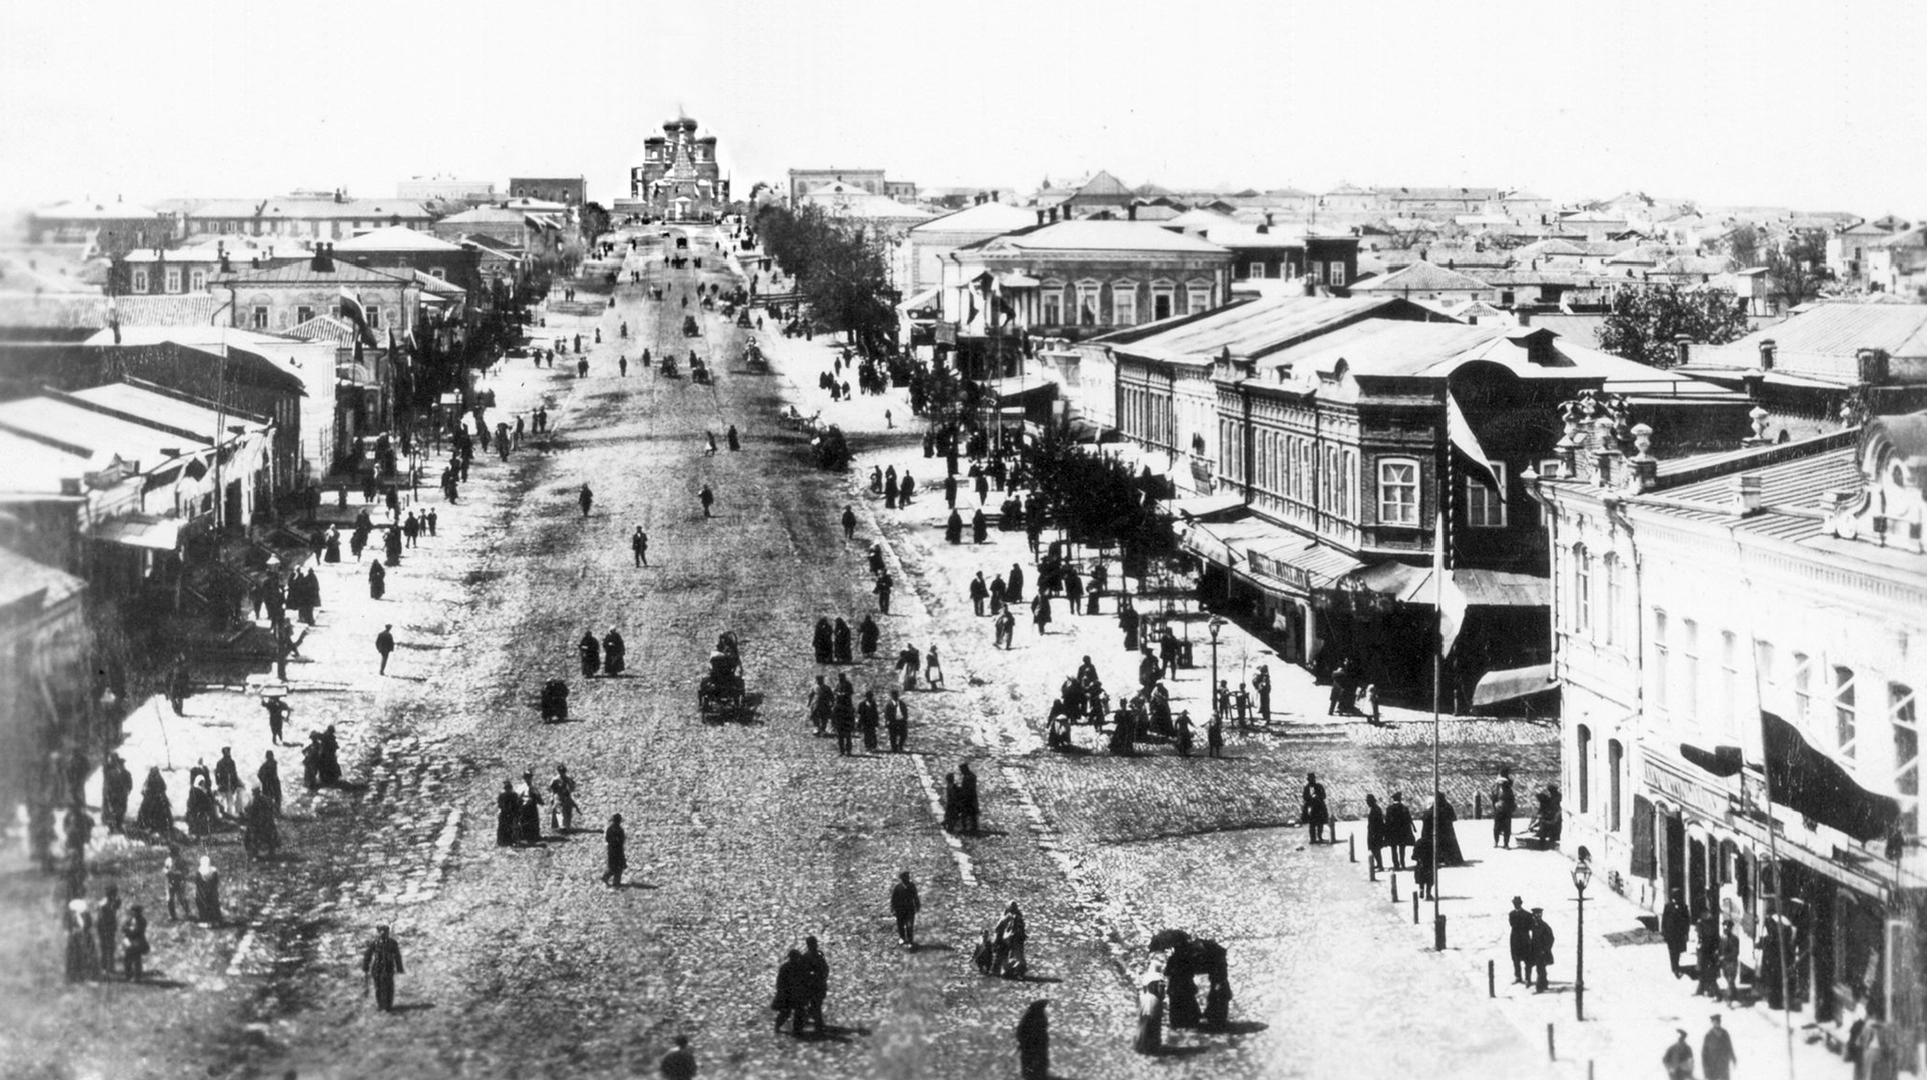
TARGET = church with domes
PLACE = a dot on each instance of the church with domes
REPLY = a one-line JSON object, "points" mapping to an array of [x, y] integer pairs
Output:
{"points": [[678, 179]]}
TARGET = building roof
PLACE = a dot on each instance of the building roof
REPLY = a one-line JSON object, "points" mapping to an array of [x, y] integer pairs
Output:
{"points": [[22, 578], [324, 328], [991, 217], [1792, 484], [1841, 329], [91, 210], [537, 206], [303, 208], [1200, 219], [302, 272], [34, 467], [493, 245], [85, 433], [1242, 237], [1103, 186], [1093, 235], [1249, 328], [203, 420], [397, 238], [491, 215], [1422, 276]]}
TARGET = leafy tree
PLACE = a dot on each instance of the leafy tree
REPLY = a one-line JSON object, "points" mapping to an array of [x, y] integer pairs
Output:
{"points": [[1743, 245], [1646, 322], [594, 221], [840, 269], [1796, 267]]}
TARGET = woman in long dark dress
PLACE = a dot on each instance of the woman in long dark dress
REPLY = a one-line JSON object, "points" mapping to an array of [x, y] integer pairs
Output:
{"points": [[201, 810], [616, 841], [866, 636], [822, 641], [156, 814], [591, 653], [207, 892], [1439, 828], [377, 580], [331, 545], [840, 638]]}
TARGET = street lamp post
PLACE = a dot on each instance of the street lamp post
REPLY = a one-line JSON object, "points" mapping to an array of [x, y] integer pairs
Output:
{"points": [[1216, 625], [1581, 877]]}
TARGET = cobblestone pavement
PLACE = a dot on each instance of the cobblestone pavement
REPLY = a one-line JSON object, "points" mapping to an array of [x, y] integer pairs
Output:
{"points": [[744, 836]]}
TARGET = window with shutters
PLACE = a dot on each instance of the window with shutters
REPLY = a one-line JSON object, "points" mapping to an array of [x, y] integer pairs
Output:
{"points": [[1729, 703], [1581, 590], [1662, 662], [1845, 711], [173, 280], [139, 283], [197, 280], [1689, 668]]}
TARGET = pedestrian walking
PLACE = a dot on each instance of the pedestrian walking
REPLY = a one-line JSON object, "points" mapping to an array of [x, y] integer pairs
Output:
{"points": [[1674, 926], [896, 721], [932, 669], [1678, 1058], [508, 815], [953, 529], [816, 983], [586, 499], [1005, 629], [866, 636], [840, 641], [1706, 957], [1519, 940], [1314, 812], [377, 580], [1398, 829], [175, 872], [1014, 585], [616, 849], [1040, 613], [709, 444], [849, 523], [639, 546], [979, 592], [707, 498], [1183, 734], [883, 587], [909, 662], [380, 963], [278, 713], [1730, 962], [999, 592], [1716, 1051], [614, 653], [562, 805], [134, 946], [1008, 939], [529, 824], [680, 1063], [385, 645], [116, 787], [1504, 805], [1033, 1042], [730, 437], [790, 1001], [268, 776], [979, 527], [904, 905], [1375, 831], [589, 651], [207, 893], [107, 929], [868, 717]]}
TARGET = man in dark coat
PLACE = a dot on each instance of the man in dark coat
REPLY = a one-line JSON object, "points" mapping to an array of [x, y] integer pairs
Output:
{"points": [[1716, 1052], [639, 546], [867, 720], [1127, 621], [792, 994], [821, 701], [884, 586], [385, 645], [979, 592], [999, 594], [116, 787], [616, 844], [896, 721], [843, 715], [1706, 957], [585, 499], [1520, 940], [1541, 948], [1073, 589], [1675, 924], [1375, 831], [380, 963], [269, 777], [849, 523], [816, 983], [904, 905], [1398, 829], [1314, 811], [1504, 805]]}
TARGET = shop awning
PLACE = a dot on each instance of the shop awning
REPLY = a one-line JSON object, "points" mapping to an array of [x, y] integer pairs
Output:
{"points": [[1802, 778], [1503, 588], [1203, 507], [1014, 280], [1297, 562], [1512, 683], [141, 531], [1221, 543], [925, 299], [1085, 431]]}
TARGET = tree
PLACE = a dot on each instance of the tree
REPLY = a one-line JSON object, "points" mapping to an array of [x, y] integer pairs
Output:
{"points": [[840, 270], [1796, 267], [1743, 245], [1645, 323], [594, 221]]}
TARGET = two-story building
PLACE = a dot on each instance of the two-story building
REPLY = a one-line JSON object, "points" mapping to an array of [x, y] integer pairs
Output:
{"points": [[280, 298], [307, 216], [1740, 639], [927, 242], [398, 248]]}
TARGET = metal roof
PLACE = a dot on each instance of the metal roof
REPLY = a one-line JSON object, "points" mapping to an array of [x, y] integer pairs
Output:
{"points": [[1097, 235], [1250, 329], [1842, 328], [1422, 276], [21, 578], [202, 420]]}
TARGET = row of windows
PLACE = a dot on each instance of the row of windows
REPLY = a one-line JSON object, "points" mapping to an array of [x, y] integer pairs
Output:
{"points": [[1086, 307], [1829, 701], [1299, 470], [259, 318], [141, 280]]}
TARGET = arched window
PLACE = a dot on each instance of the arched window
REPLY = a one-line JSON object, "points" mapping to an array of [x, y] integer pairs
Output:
{"points": [[1582, 764], [1609, 629], [1581, 590]]}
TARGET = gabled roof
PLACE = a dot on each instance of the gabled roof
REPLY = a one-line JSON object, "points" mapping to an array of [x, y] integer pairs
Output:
{"points": [[1422, 277], [196, 416], [1103, 185], [324, 328], [1544, 248], [396, 238], [493, 245], [1200, 218], [1701, 265], [89, 210], [489, 215], [1249, 328], [1087, 235]]}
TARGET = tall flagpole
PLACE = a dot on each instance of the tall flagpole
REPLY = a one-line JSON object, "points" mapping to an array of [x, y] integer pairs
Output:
{"points": [[1438, 680]]}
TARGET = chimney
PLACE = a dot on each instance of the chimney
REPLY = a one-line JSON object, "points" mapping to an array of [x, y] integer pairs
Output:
{"points": [[1263, 229], [323, 262], [1682, 350], [1767, 349], [1131, 212], [254, 263], [1267, 227], [1746, 493], [1524, 316], [1053, 215], [1040, 215], [339, 196]]}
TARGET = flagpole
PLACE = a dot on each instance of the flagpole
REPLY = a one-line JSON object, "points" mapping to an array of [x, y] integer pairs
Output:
{"points": [[1438, 680]]}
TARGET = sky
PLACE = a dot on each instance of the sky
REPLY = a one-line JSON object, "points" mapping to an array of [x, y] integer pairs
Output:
{"points": [[1815, 106]]}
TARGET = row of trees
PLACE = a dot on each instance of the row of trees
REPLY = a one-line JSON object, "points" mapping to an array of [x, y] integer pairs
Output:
{"points": [[840, 270], [1645, 324]]}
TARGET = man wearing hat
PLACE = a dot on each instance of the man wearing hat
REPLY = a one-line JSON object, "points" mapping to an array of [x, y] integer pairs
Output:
{"points": [[1541, 947], [1678, 1059], [1716, 1052], [380, 963], [1521, 940]]}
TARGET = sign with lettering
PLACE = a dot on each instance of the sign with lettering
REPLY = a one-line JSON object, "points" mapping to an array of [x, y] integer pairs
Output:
{"points": [[1677, 787], [1296, 577]]}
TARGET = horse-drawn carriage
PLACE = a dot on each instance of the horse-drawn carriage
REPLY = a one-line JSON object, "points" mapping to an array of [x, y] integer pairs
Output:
{"points": [[698, 371], [668, 364], [690, 327], [753, 358], [721, 690]]}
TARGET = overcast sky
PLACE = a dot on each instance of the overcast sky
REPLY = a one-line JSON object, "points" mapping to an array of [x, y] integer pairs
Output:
{"points": [[1818, 106]]}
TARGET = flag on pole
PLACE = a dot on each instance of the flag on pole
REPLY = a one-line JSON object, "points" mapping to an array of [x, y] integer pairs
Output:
{"points": [[1460, 431], [352, 310], [1446, 595]]}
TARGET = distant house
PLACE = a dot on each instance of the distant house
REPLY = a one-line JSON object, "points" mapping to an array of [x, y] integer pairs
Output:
{"points": [[570, 191], [397, 248], [534, 233], [80, 220], [1847, 246], [278, 298], [1898, 263], [927, 242], [1424, 281], [1818, 370], [306, 216]]}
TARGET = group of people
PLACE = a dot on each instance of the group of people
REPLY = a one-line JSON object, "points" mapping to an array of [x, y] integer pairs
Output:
{"points": [[518, 812], [836, 709], [1391, 827], [607, 657]]}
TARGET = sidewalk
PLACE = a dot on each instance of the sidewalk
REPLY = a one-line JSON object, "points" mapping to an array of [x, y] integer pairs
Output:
{"points": [[1633, 1003]]}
